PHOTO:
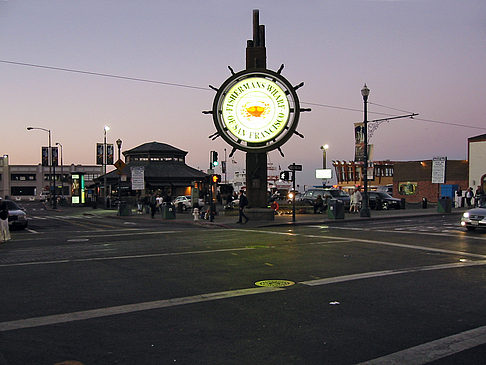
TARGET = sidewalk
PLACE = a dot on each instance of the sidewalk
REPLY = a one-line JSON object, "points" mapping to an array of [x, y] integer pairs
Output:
{"points": [[229, 218]]}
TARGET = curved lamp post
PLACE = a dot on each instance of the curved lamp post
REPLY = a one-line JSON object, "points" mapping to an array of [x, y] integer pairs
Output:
{"points": [[52, 168], [105, 160], [62, 173]]}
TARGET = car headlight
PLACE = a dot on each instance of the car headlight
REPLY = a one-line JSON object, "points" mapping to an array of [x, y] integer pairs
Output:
{"points": [[466, 215]]}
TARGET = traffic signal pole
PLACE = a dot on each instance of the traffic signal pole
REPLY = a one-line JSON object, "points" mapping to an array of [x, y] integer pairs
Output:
{"points": [[293, 195]]}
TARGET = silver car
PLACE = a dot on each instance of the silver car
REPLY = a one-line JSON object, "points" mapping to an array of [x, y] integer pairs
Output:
{"points": [[474, 218]]}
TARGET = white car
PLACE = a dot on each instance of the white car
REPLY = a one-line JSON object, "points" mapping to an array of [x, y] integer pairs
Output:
{"points": [[474, 218], [184, 200]]}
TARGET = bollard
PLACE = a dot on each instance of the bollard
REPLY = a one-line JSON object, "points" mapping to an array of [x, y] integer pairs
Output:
{"points": [[424, 203], [195, 213]]}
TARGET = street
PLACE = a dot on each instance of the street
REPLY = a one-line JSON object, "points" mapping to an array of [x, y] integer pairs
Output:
{"points": [[131, 290]]}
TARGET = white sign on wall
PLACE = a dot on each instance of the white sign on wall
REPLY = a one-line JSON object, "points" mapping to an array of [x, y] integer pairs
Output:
{"points": [[138, 178], [438, 170]]}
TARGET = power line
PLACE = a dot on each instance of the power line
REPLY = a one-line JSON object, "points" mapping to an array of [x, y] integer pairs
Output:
{"points": [[104, 75], [208, 89]]}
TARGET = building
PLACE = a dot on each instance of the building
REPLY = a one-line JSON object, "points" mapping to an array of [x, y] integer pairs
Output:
{"points": [[412, 180], [349, 174], [165, 173], [31, 182], [476, 152]]}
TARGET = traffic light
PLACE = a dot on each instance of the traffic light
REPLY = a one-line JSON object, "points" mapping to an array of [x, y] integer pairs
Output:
{"points": [[285, 176], [215, 179], [214, 159]]}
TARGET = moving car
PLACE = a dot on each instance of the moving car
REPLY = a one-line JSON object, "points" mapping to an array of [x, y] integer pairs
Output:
{"points": [[16, 215], [381, 200], [326, 194], [474, 218]]}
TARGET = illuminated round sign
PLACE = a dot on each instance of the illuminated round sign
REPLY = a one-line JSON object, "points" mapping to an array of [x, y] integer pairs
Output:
{"points": [[256, 110]]}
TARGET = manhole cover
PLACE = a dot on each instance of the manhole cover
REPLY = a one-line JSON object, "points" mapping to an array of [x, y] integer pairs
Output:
{"points": [[275, 283]]}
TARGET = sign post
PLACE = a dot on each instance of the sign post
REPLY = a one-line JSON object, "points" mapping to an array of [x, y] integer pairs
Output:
{"points": [[256, 110]]}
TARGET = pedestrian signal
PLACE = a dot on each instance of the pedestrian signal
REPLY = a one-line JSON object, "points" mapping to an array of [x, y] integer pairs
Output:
{"points": [[216, 179], [285, 176], [214, 159]]}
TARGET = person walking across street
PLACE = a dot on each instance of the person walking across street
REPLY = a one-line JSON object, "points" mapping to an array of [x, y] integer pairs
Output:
{"points": [[242, 204], [4, 231]]}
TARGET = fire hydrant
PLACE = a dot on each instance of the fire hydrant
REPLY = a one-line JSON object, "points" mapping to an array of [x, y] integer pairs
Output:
{"points": [[195, 213]]}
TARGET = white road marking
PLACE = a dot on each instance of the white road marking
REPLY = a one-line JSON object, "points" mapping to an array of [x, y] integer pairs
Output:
{"points": [[375, 274], [128, 257], [31, 230], [130, 308], [434, 350], [78, 240]]}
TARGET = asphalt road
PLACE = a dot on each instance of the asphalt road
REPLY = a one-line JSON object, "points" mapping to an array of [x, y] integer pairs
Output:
{"points": [[139, 291]]}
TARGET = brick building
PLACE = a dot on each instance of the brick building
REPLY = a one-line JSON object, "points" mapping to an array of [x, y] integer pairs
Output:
{"points": [[412, 180]]}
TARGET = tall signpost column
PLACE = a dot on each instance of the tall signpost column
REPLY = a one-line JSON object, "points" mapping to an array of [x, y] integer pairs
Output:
{"points": [[256, 111], [256, 162]]}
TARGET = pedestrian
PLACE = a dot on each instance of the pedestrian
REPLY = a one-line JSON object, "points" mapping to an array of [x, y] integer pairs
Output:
{"points": [[4, 231], [477, 195], [153, 205], [469, 195], [355, 201], [318, 205], [242, 204]]}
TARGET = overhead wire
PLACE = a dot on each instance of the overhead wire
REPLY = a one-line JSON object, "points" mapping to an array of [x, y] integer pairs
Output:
{"points": [[208, 89]]}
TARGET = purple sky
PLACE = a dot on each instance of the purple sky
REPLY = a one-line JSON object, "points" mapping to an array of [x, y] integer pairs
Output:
{"points": [[422, 56]]}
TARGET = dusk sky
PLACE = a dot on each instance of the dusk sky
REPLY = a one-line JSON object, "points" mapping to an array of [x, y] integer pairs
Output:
{"points": [[422, 56]]}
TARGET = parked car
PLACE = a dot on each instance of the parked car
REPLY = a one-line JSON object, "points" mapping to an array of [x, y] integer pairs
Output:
{"points": [[184, 200], [474, 218], [380, 200], [326, 194], [386, 189], [16, 215]]}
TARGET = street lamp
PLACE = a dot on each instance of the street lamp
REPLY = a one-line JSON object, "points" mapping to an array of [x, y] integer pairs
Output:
{"points": [[62, 173], [105, 160], [324, 152], [52, 168], [324, 149], [365, 210]]}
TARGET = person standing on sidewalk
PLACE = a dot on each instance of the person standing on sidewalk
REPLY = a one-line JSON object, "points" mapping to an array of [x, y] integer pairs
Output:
{"points": [[469, 196], [242, 204], [4, 231]]}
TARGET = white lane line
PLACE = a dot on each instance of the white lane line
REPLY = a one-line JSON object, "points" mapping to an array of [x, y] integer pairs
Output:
{"points": [[31, 230], [434, 350], [375, 274], [128, 257], [384, 243], [130, 308]]}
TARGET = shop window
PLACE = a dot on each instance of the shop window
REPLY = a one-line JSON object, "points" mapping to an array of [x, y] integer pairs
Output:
{"points": [[407, 188]]}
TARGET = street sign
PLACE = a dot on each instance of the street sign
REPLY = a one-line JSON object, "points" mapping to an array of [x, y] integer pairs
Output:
{"points": [[295, 167], [119, 164]]}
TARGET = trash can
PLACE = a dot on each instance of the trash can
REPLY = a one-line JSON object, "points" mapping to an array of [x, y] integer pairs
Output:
{"points": [[444, 205], [424, 203], [168, 211], [123, 209], [335, 209]]}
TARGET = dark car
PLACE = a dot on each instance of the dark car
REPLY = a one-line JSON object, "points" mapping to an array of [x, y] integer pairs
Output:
{"points": [[310, 196], [380, 200], [16, 215]]}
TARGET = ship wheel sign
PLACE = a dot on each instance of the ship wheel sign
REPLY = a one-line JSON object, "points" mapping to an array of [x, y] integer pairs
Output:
{"points": [[256, 110]]}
